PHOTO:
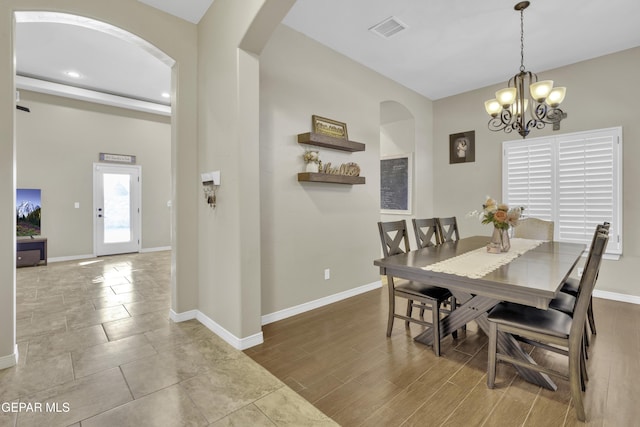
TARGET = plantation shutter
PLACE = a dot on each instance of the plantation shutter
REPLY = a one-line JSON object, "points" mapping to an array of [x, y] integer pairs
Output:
{"points": [[528, 179], [572, 179], [587, 186]]}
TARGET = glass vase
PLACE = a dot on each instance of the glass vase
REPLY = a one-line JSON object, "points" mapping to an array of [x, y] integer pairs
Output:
{"points": [[499, 241]]}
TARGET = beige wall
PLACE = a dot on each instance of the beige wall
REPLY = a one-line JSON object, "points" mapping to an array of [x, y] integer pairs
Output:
{"points": [[600, 94], [178, 39], [229, 243], [57, 144], [307, 227]]}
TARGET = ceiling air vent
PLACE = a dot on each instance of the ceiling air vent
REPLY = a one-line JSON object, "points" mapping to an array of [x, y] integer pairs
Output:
{"points": [[388, 27]]}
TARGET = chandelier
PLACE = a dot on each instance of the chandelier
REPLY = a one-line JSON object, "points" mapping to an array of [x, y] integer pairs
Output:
{"points": [[508, 110]]}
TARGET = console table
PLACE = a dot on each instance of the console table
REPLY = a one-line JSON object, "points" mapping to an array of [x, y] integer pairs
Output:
{"points": [[31, 252]]}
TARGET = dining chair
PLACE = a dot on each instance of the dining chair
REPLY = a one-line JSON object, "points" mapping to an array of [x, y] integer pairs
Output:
{"points": [[448, 228], [426, 231], [570, 288], [394, 239], [549, 329], [534, 228]]}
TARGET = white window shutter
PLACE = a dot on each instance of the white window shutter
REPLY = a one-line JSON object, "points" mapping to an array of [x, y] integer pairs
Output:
{"points": [[574, 180], [528, 179], [587, 186]]}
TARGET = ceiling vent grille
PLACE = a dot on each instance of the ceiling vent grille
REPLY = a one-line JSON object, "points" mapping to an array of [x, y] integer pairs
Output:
{"points": [[388, 27]]}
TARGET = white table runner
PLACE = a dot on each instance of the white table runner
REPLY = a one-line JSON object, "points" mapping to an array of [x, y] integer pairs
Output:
{"points": [[479, 262]]}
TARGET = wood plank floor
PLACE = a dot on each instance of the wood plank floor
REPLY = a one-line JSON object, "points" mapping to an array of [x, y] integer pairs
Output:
{"points": [[339, 359]]}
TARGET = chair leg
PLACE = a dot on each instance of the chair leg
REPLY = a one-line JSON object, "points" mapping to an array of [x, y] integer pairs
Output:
{"points": [[453, 303], [392, 309], [584, 376], [576, 387], [492, 350], [587, 338], [435, 325], [409, 312], [592, 320]]}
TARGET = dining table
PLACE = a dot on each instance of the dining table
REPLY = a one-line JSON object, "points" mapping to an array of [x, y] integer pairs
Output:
{"points": [[531, 274]]}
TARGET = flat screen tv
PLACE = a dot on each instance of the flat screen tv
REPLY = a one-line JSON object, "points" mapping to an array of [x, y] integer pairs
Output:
{"points": [[28, 212]]}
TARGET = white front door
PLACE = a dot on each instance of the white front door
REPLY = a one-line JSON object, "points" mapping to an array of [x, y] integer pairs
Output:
{"points": [[116, 208]]}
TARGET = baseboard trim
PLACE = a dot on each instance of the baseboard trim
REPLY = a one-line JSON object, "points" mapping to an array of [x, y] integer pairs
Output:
{"points": [[632, 299], [235, 342], [321, 302], [184, 316], [9, 360], [70, 258], [158, 249], [79, 257]]}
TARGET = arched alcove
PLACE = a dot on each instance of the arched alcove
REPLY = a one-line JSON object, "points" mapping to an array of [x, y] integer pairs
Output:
{"points": [[398, 138]]}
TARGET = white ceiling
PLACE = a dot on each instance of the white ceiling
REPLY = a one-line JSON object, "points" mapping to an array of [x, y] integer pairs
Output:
{"points": [[449, 47]]}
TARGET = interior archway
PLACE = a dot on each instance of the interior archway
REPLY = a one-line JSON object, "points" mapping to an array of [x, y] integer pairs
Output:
{"points": [[398, 138], [183, 68]]}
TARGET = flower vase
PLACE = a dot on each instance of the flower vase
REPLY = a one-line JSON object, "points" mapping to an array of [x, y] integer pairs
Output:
{"points": [[312, 167], [499, 241]]}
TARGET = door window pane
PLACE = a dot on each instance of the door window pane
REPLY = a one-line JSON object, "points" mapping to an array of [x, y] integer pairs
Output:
{"points": [[117, 208]]}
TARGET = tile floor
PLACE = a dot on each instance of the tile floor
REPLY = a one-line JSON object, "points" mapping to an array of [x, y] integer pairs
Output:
{"points": [[97, 348]]}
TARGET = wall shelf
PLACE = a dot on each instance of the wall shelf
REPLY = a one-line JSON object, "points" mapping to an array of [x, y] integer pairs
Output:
{"points": [[326, 141], [330, 178]]}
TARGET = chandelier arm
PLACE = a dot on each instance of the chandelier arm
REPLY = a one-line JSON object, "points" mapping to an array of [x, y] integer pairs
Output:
{"points": [[501, 122], [540, 112], [554, 115]]}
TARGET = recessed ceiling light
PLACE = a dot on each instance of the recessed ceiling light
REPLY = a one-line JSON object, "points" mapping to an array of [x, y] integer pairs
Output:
{"points": [[165, 95], [73, 74]]}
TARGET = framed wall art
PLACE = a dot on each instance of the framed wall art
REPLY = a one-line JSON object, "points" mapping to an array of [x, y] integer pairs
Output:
{"points": [[329, 127], [462, 147]]}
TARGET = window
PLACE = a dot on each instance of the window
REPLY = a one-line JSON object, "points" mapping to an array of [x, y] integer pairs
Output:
{"points": [[574, 180]]}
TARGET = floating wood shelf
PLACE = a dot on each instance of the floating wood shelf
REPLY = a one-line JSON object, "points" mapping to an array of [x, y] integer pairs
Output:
{"points": [[330, 178], [327, 141]]}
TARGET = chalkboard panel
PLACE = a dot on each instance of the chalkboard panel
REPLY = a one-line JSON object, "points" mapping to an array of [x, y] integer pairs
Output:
{"points": [[395, 184]]}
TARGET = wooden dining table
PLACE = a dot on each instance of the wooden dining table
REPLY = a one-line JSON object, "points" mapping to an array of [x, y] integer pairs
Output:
{"points": [[534, 278]]}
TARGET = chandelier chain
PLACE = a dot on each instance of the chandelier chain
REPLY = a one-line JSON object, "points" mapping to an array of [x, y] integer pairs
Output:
{"points": [[522, 40]]}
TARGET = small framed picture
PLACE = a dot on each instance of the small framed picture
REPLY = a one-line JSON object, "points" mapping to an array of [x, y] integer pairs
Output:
{"points": [[329, 127], [462, 147]]}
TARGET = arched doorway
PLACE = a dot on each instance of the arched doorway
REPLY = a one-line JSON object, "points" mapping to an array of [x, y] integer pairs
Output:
{"points": [[132, 19]]}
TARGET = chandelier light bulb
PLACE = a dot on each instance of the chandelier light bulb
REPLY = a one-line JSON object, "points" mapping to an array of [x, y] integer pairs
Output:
{"points": [[541, 90], [506, 96], [493, 107], [556, 96], [515, 108]]}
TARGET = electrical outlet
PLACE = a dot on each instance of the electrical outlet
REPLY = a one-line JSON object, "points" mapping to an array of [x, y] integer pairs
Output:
{"points": [[327, 274], [580, 270]]}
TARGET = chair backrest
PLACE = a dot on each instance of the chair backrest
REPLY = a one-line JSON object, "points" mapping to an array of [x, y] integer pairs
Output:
{"points": [[448, 228], [393, 236], [427, 232], [534, 228], [599, 228], [588, 282]]}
